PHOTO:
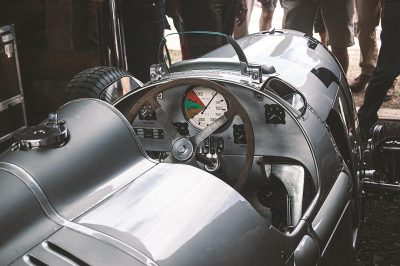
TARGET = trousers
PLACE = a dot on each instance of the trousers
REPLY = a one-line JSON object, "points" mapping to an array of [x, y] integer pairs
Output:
{"points": [[144, 28], [388, 65], [369, 14]]}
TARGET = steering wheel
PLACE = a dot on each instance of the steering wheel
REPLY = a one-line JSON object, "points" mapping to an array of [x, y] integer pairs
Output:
{"points": [[184, 148]]}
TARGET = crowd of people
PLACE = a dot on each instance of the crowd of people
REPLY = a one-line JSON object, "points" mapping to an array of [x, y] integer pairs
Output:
{"points": [[144, 22]]}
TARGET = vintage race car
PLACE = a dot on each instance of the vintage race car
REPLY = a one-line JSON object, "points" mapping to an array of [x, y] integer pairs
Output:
{"points": [[248, 155]]}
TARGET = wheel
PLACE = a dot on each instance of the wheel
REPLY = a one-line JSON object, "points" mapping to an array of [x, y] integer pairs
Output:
{"points": [[183, 148], [95, 83]]}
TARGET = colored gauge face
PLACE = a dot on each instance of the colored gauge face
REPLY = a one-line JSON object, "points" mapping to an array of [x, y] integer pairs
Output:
{"points": [[202, 106]]}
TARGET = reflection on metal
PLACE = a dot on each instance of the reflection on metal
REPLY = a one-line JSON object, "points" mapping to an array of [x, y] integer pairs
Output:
{"points": [[51, 134], [182, 149], [165, 210], [120, 88], [287, 92], [56, 218], [307, 252], [157, 72], [292, 176], [255, 73], [332, 210]]}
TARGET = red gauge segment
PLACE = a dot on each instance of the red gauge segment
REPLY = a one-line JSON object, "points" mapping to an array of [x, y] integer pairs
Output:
{"points": [[192, 104], [191, 96], [202, 106]]}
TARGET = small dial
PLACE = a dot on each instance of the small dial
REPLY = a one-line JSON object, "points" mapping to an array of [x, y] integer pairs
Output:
{"points": [[202, 106], [274, 114]]}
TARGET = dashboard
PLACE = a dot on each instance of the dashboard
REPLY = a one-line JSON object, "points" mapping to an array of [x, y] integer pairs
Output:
{"points": [[192, 108]]}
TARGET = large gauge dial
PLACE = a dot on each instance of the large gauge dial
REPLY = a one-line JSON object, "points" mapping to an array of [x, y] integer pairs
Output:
{"points": [[202, 106]]}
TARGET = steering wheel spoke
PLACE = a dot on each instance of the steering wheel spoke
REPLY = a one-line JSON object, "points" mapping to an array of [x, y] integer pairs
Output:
{"points": [[167, 124], [184, 148], [210, 129]]}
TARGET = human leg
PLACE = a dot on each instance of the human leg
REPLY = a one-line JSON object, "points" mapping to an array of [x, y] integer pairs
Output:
{"points": [[324, 38], [342, 56], [267, 13], [368, 12], [388, 65], [299, 15], [338, 18], [141, 54], [265, 19], [207, 15], [319, 27], [242, 30]]}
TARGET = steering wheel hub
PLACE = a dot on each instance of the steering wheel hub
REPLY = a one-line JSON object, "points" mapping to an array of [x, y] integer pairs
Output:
{"points": [[182, 149]]}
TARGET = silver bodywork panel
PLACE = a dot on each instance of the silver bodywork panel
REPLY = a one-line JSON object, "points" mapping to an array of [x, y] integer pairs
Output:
{"points": [[100, 199]]}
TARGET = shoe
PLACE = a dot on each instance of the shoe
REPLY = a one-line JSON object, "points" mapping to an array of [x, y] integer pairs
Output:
{"points": [[389, 94], [359, 83], [388, 98]]}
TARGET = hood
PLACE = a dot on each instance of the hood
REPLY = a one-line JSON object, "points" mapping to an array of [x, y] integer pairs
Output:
{"points": [[180, 215]]}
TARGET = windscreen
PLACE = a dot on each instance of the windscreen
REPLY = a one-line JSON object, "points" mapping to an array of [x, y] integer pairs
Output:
{"points": [[181, 46]]}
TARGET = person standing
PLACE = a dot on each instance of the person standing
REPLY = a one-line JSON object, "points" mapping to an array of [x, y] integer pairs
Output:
{"points": [[387, 68], [143, 22], [338, 17], [319, 27], [207, 15], [369, 14], [267, 13], [243, 29]]}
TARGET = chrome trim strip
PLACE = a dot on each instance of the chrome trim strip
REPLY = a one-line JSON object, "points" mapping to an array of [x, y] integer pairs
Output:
{"points": [[25, 177]]}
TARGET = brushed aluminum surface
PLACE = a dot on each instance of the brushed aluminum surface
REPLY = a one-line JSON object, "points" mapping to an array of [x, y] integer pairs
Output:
{"points": [[180, 215]]}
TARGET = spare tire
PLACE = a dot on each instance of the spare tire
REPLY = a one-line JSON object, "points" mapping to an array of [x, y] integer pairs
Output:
{"points": [[93, 82]]}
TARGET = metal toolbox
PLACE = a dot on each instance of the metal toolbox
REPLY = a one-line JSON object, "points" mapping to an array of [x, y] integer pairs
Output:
{"points": [[12, 106]]}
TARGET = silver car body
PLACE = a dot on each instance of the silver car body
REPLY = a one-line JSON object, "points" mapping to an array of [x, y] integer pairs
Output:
{"points": [[99, 199]]}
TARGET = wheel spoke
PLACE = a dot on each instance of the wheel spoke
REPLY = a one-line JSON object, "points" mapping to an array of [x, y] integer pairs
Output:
{"points": [[164, 119], [235, 108], [203, 134]]}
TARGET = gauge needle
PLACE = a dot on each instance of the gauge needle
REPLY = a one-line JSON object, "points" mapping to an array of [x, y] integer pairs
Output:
{"points": [[215, 94]]}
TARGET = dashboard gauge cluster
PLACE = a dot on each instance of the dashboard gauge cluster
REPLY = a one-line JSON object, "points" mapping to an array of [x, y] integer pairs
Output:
{"points": [[202, 106], [274, 114], [239, 134], [182, 128], [147, 113], [149, 133]]}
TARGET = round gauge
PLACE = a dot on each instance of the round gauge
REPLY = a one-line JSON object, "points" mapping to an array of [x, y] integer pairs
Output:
{"points": [[202, 106]]}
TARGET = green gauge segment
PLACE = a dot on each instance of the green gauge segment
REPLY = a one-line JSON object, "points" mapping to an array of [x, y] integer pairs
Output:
{"points": [[192, 104], [202, 106]]}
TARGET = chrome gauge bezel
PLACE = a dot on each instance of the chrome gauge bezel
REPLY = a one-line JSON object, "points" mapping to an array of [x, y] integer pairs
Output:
{"points": [[185, 113]]}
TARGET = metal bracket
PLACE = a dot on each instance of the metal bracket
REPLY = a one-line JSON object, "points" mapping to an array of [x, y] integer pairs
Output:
{"points": [[51, 134], [255, 73], [158, 71]]}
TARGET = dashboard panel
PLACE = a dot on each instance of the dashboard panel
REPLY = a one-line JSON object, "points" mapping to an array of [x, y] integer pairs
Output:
{"points": [[192, 108]]}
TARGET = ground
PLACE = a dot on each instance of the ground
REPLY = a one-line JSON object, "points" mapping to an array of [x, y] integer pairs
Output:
{"points": [[380, 235]]}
